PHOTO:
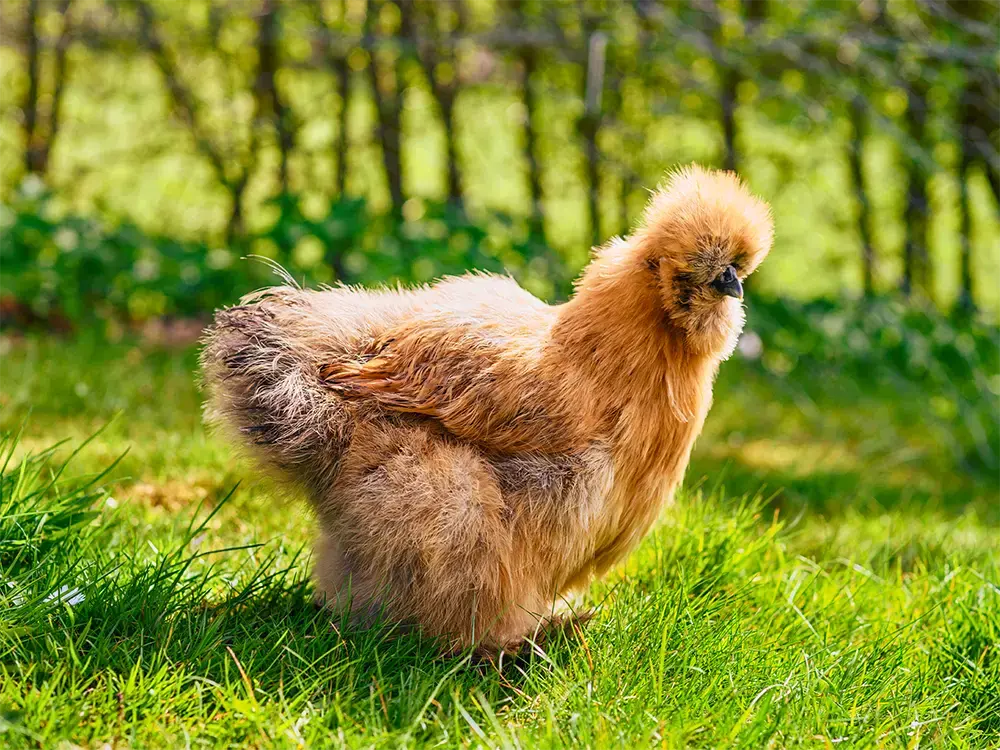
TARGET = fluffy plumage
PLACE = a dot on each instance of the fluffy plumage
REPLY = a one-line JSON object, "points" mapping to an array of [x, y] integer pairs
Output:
{"points": [[473, 454]]}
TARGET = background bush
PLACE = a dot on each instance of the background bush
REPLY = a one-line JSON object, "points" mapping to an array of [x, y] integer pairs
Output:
{"points": [[346, 131]]}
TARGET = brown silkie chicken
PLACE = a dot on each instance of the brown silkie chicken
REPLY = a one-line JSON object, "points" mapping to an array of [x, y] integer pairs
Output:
{"points": [[474, 455]]}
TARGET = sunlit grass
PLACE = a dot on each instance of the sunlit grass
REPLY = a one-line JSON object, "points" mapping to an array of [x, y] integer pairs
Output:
{"points": [[851, 602]]}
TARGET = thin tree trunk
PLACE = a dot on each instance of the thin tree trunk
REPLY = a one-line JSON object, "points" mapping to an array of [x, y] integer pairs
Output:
{"points": [[454, 178], [727, 102], [40, 140], [429, 56], [335, 251], [915, 256], [234, 225], [237, 187], [184, 106], [631, 183], [992, 169], [858, 114], [181, 98], [531, 147], [590, 124], [343, 73], [394, 138], [981, 119], [753, 12], [622, 167], [59, 86], [966, 300], [30, 106], [387, 109], [266, 88], [447, 94], [981, 102], [916, 261], [529, 63], [337, 62], [728, 81]]}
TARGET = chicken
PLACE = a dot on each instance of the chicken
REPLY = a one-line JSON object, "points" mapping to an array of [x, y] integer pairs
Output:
{"points": [[474, 455]]}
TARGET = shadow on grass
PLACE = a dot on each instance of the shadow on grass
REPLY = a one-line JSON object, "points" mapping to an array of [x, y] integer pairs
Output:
{"points": [[266, 643], [834, 493], [832, 445]]}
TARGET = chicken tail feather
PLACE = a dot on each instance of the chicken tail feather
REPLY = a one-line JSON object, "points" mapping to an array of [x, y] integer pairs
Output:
{"points": [[264, 384]]}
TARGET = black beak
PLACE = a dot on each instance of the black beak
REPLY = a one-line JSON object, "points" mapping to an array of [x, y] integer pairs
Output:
{"points": [[728, 283]]}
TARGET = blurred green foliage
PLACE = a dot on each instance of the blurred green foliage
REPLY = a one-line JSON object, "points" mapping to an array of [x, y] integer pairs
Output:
{"points": [[947, 367], [126, 149], [75, 269], [79, 269]]}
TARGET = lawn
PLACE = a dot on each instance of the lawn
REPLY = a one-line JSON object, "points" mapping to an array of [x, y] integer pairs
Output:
{"points": [[829, 577]]}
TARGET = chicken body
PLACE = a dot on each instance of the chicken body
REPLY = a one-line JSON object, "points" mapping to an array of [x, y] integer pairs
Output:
{"points": [[473, 454]]}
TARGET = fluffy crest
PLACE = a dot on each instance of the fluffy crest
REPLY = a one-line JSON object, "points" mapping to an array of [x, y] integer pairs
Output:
{"points": [[699, 214]]}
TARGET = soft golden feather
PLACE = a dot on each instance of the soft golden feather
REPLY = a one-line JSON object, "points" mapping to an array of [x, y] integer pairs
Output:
{"points": [[473, 454]]}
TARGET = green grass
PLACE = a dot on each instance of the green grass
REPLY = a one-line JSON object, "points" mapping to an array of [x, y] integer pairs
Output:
{"points": [[830, 577]]}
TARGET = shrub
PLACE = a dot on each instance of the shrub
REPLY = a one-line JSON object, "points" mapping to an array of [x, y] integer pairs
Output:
{"points": [[906, 349], [73, 268]]}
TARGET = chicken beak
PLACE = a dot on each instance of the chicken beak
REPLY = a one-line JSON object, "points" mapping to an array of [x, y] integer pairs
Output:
{"points": [[729, 284]]}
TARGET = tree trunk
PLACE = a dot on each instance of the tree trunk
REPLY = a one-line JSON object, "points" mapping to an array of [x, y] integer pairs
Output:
{"points": [[40, 139], [269, 103], [727, 102], [858, 113], [343, 74], [529, 62], [727, 82], [729, 76], [446, 95], [429, 55], [184, 106], [992, 169], [335, 252], [915, 256], [966, 300], [981, 102], [454, 178], [30, 106], [337, 62], [387, 111], [336, 59], [234, 226], [59, 86], [590, 124]]}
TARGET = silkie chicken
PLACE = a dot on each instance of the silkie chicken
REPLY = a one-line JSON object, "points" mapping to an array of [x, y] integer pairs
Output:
{"points": [[474, 455]]}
